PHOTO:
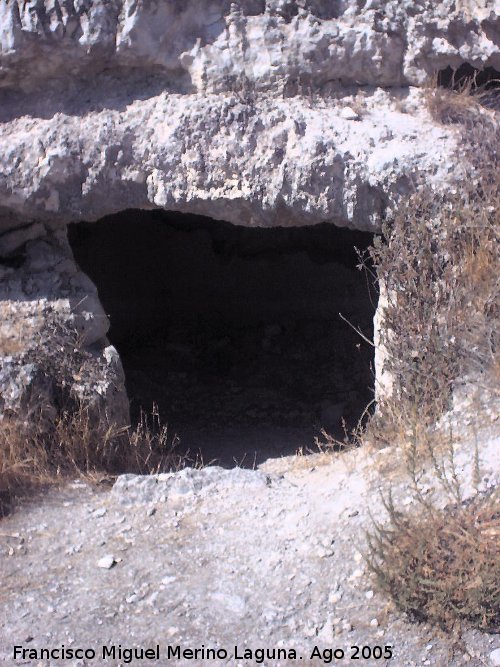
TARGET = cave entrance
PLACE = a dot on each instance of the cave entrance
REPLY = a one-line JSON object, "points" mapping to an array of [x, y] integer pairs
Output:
{"points": [[454, 78], [483, 82], [235, 332]]}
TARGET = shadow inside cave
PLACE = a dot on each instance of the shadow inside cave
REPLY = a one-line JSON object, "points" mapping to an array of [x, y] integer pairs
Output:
{"points": [[234, 332]]}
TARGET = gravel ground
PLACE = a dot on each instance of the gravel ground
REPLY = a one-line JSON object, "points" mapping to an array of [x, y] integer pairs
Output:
{"points": [[232, 560]]}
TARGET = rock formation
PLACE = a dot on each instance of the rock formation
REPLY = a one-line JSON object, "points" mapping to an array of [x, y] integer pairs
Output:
{"points": [[257, 112]]}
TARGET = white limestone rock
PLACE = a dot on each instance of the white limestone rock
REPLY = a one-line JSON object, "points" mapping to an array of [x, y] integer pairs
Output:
{"points": [[48, 287], [265, 163], [231, 110], [242, 111], [185, 484]]}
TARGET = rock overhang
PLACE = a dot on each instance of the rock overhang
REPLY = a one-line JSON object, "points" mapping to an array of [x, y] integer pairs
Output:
{"points": [[266, 113], [272, 163]]}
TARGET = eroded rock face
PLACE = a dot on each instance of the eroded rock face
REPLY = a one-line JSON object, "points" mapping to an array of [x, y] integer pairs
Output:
{"points": [[264, 163], [208, 46], [258, 112], [261, 113], [49, 314]]}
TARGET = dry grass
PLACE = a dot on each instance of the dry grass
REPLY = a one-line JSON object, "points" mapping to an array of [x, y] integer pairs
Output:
{"points": [[73, 442], [442, 566], [460, 103], [56, 431], [439, 261]]}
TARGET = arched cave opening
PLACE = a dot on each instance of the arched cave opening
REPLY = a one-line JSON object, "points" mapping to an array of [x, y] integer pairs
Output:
{"points": [[235, 332]]}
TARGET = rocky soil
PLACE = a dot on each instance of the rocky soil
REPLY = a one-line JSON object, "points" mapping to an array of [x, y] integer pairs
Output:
{"points": [[253, 559]]}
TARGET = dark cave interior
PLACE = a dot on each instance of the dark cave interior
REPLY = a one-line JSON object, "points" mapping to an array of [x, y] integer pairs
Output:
{"points": [[488, 77], [234, 332]]}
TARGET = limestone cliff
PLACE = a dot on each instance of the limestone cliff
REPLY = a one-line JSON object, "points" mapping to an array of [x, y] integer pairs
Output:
{"points": [[257, 112], [260, 113]]}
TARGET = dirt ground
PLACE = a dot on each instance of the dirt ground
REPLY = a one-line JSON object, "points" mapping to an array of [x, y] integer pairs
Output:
{"points": [[229, 560]]}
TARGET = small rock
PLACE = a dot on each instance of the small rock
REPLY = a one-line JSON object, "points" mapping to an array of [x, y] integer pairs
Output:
{"points": [[335, 597], [348, 113], [369, 595], [321, 552], [495, 658], [106, 562], [152, 598], [97, 514], [166, 581], [327, 542], [374, 623], [74, 549]]}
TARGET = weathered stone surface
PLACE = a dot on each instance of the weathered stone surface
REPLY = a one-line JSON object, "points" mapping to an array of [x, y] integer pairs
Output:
{"points": [[183, 485], [44, 296], [241, 111], [258, 112], [264, 162], [269, 43]]}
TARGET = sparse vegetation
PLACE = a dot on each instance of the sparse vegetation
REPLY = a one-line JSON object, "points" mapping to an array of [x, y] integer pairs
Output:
{"points": [[439, 263], [61, 433], [461, 101], [442, 565]]}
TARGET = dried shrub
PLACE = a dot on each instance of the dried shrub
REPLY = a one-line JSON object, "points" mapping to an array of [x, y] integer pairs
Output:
{"points": [[31, 451], [442, 565], [439, 264], [56, 431], [77, 443], [151, 448], [460, 103]]}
